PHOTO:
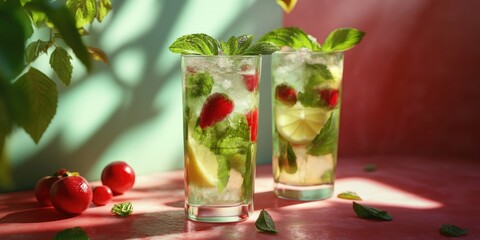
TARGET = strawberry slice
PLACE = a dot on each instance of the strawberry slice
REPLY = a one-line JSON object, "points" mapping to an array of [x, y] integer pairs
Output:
{"points": [[251, 82], [252, 121], [215, 109], [330, 96], [286, 94]]}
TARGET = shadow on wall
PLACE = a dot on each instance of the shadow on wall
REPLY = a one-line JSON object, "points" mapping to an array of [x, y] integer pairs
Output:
{"points": [[411, 87], [132, 110]]}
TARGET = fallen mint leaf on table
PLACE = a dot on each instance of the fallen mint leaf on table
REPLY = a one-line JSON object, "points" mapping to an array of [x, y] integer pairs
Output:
{"points": [[349, 195], [265, 223], [370, 213], [370, 167], [122, 209], [452, 230], [76, 233]]}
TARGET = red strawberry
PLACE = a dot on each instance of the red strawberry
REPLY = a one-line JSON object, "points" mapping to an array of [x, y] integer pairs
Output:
{"points": [[215, 109], [330, 96], [251, 82], [286, 94], [252, 121]]}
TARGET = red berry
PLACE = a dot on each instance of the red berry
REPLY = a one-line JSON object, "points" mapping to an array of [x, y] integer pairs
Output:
{"points": [[102, 195], [252, 121], [118, 176], [215, 109], [330, 96], [42, 189], [251, 82], [71, 195], [286, 94]]}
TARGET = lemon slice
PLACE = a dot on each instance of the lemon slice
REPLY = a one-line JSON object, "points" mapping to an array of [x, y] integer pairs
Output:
{"points": [[298, 124], [201, 166]]}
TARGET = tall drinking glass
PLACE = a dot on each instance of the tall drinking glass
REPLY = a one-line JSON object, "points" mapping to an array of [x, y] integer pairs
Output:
{"points": [[306, 105], [220, 103]]}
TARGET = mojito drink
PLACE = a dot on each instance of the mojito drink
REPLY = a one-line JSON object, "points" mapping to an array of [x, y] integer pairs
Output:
{"points": [[220, 103], [306, 94]]}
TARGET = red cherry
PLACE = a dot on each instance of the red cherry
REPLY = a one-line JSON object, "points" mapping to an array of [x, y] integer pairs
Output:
{"points": [[118, 176], [330, 96], [252, 121], [102, 195], [286, 94], [71, 195], [42, 189]]}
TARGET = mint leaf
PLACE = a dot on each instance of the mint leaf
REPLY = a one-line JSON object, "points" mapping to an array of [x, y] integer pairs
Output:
{"points": [[60, 63], [244, 42], [41, 96], [370, 213], [197, 44], [84, 11], [287, 160], [342, 39], [76, 233], [452, 230], [349, 195], [34, 49], [265, 223], [223, 172], [261, 48], [231, 144], [325, 142], [122, 209], [316, 75], [104, 7], [230, 47], [327, 176], [292, 37], [199, 84], [247, 189]]}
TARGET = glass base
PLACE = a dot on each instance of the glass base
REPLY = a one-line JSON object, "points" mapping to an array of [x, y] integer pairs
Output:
{"points": [[218, 214], [303, 193]]}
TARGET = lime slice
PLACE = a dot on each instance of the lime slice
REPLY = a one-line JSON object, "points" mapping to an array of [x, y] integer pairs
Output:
{"points": [[298, 124], [201, 166]]}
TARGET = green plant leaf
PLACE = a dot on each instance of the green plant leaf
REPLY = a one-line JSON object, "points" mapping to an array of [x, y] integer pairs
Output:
{"points": [[263, 48], [325, 142], [223, 172], [292, 37], [61, 64], [76, 233], [247, 189], [122, 209], [265, 223], [41, 99], [244, 42], [64, 22], [13, 38], [98, 54], [85, 11], [34, 49], [198, 85], [349, 195], [196, 44], [371, 213], [103, 8], [452, 230], [342, 39], [287, 158], [230, 47]]}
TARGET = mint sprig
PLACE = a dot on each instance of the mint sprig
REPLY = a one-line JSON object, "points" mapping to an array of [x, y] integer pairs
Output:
{"points": [[76, 233], [452, 230], [122, 209], [199, 84], [203, 44], [325, 142], [339, 40], [265, 223], [287, 158], [364, 211]]}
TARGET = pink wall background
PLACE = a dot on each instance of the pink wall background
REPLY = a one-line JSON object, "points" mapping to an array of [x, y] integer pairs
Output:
{"points": [[412, 87]]}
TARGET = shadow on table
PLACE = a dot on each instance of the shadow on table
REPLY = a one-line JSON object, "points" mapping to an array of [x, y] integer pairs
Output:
{"points": [[265, 200], [34, 216]]}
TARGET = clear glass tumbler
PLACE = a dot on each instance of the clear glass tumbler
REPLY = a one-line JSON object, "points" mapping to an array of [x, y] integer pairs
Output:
{"points": [[306, 90], [220, 103]]}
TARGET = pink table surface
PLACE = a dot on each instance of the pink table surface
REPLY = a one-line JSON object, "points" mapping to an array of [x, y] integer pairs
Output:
{"points": [[420, 193]]}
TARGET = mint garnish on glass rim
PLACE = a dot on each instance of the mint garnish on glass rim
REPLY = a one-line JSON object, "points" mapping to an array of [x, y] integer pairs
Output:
{"points": [[339, 40], [203, 44]]}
